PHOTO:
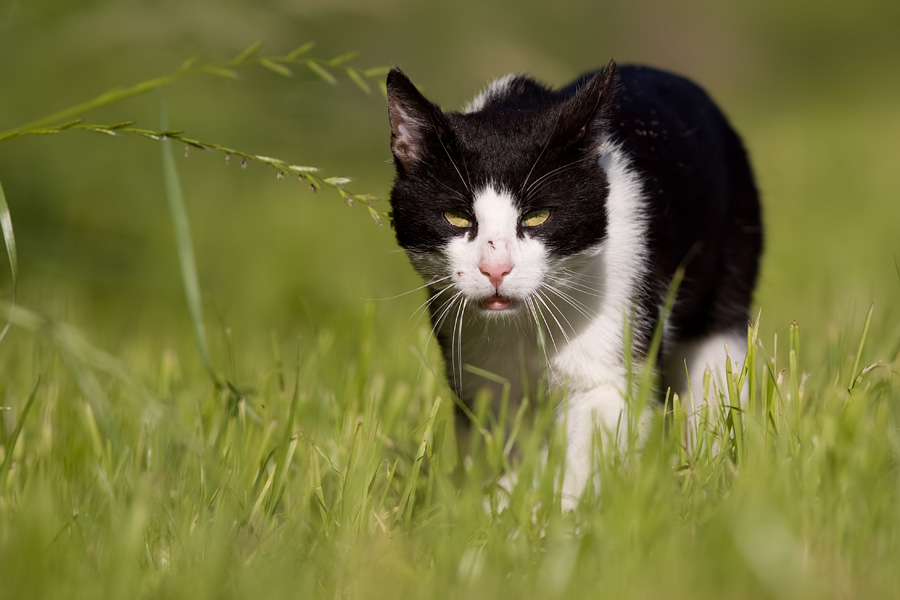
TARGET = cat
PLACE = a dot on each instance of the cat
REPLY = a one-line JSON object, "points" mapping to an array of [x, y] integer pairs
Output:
{"points": [[541, 219]]}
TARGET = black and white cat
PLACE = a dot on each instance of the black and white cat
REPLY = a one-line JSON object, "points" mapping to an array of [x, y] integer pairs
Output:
{"points": [[541, 219]]}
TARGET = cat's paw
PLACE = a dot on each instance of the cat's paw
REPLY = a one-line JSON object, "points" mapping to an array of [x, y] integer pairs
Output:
{"points": [[577, 471]]}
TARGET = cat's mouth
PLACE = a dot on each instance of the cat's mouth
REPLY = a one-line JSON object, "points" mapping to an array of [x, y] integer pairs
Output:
{"points": [[498, 303]]}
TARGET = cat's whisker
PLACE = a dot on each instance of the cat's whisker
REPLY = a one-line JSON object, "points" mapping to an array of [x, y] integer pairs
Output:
{"points": [[430, 283], [555, 320], [551, 173], [441, 316], [582, 309], [581, 277], [462, 316], [423, 306], [450, 158], [446, 307], [575, 286], [456, 346], [579, 292], [579, 306], [466, 169], [546, 326], [540, 338], [421, 310], [566, 288], [537, 187], [447, 187], [579, 274], [531, 188], [576, 289], [572, 299], [544, 149], [545, 299], [518, 327]]}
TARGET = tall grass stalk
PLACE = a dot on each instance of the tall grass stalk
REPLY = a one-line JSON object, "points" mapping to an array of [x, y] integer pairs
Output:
{"points": [[9, 237]]}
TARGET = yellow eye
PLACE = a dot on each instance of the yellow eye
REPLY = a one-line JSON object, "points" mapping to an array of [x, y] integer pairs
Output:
{"points": [[457, 219], [535, 217]]}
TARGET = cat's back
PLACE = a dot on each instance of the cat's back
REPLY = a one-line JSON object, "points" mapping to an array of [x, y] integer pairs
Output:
{"points": [[652, 108], [639, 90], [698, 193]]}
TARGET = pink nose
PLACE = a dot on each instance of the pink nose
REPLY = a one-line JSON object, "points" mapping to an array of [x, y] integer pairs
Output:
{"points": [[495, 272]]}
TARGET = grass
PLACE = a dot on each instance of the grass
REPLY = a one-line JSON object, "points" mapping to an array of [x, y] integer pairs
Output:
{"points": [[333, 475]]}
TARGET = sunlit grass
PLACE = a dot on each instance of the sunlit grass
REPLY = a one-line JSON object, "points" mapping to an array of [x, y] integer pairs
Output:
{"points": [[334, 474]]}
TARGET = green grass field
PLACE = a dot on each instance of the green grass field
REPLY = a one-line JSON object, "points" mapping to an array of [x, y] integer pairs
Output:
{"points": [[316, 457]]}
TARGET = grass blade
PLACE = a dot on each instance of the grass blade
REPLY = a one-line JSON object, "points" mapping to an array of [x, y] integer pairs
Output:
{"points": [[181, 225], [853, 378], [735, 418], [11, 446], [796, 376], [10, 239], [408, 500], [645, 385], [288, 444]]}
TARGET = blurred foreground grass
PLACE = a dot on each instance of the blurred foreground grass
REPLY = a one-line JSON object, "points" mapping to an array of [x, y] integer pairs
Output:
{"points": [[333, 477], [133, 476]]}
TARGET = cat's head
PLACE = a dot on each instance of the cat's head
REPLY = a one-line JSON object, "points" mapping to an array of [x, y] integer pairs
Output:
{"points": [[493, 201]]}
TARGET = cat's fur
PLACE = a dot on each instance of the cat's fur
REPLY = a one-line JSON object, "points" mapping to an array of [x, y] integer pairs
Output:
{"points": [[640, 172]]}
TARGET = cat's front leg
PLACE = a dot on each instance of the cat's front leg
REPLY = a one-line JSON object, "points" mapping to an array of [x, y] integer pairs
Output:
{"points": [[597, 411]]}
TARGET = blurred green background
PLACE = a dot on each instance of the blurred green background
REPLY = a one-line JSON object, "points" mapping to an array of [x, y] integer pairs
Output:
{"points": [[812, 87]]}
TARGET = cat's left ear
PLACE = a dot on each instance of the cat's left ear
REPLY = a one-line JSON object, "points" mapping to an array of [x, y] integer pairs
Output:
{"points": [[586, 108], [414, 120]]}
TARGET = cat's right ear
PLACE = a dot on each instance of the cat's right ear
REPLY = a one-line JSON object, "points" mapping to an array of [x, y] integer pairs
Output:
{"points": [[589, 103], [414, 120]]}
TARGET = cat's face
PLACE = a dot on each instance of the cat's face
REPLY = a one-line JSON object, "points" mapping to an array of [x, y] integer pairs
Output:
{"points": [[492, 204]]}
